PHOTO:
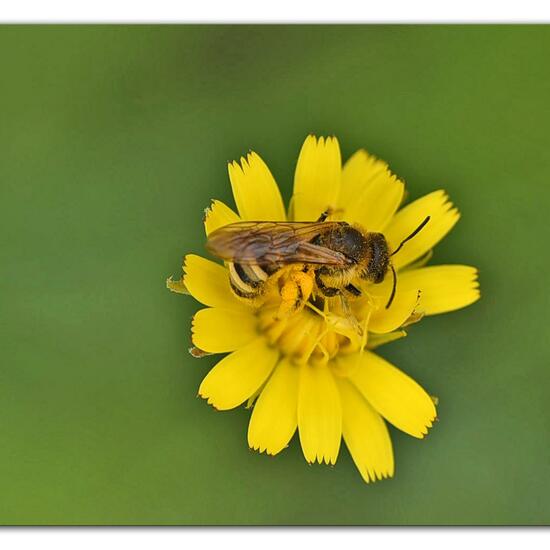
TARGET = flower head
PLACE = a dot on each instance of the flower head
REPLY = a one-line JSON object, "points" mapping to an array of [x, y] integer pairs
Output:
{"points": [[301, 358]]}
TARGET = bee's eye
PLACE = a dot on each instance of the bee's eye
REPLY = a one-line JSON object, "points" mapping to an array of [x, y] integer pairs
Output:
{"points": [[379, 259]]}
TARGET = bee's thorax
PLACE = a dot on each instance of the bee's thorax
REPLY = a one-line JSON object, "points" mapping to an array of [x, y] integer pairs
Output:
{"points": [[368, 252], [347, 240]]}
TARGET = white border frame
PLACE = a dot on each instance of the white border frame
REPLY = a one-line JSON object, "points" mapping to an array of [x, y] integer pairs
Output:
{"points": [[280, 11]]}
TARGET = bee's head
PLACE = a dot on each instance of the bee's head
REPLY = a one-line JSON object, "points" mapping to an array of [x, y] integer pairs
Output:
{"points": [[377, 260]]}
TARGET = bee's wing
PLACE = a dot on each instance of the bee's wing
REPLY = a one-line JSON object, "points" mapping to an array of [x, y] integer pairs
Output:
{"points": [[279, 243]]}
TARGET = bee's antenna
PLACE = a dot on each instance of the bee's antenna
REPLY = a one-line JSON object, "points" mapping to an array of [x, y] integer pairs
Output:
{"points": [[413, 234], [394, 287]]}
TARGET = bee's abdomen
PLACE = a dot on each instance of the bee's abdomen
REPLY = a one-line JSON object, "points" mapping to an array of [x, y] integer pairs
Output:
{"points": [[247, 281]]}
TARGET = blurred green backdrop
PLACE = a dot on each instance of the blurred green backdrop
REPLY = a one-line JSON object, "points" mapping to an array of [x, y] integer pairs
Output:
{"points": [[114, 139]]}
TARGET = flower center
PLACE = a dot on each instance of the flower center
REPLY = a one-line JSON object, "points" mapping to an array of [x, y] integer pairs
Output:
{"points": [[319, 329]]}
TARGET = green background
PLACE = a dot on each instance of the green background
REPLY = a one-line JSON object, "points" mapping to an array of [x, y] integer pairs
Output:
{"points": [[112, 142]]}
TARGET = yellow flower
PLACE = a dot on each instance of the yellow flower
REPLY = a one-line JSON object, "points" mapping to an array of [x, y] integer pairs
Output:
{"points": [[314, 371]]}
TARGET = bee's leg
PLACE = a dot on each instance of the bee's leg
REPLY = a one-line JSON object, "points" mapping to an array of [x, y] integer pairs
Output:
{"points": [[295, 292], [328, 212], [324, 215], [352, 289], [304, 280], [323, 289], [289, 297]]}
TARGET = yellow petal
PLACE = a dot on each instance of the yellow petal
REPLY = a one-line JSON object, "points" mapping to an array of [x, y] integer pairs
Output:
{"points": [[252, 399], [218, 215], [274, 417], [443, 218], [376, 199], [396, 396], [317, 178], [422, 261], [358, 171], [218, 330], [319, 414], [255, 191], [236, 377], [366, 435], [376, 340], [208, 282], [406, 300], [444, 287]]}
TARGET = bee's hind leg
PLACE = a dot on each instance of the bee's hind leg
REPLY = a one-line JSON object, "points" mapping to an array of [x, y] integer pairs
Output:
{"points": [[295, 292]]}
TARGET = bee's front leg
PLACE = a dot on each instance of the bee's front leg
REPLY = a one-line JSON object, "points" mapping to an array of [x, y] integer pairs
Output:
{"points": [[352, 289], [325, 290]]}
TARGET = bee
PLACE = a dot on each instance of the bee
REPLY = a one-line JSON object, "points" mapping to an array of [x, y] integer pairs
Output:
{"points": [[328, 258]]}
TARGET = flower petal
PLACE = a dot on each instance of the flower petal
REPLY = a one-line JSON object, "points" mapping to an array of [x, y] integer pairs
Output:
{"points": [[319, 414], [358, 171], [218, 215], [218, 330], [376, 340], [236, 377], [396, 396], [317, 178], [444, 287], [208, 282], [406, 300], [366, 434], [274, 417], [442, 219], [255, 191], [376, 200]]}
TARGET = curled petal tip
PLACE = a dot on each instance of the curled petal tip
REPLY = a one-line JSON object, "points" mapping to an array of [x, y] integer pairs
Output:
{"points": [[197, 352], [176, 286]]}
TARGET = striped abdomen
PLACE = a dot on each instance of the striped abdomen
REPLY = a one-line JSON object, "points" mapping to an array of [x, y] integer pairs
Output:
{"points": [[247, 281]]}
